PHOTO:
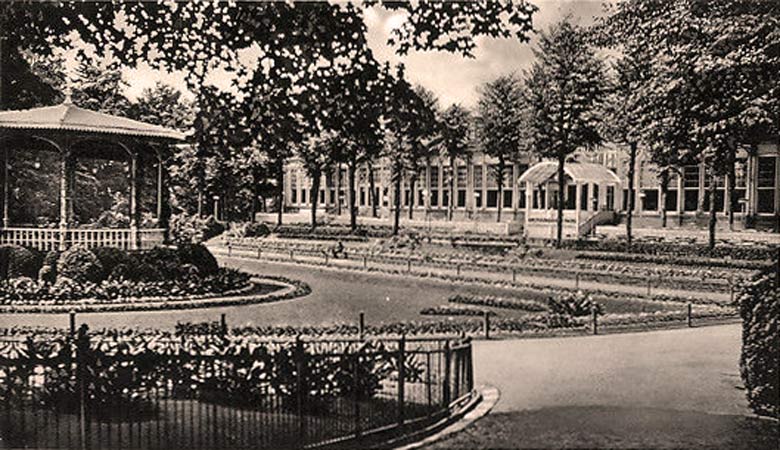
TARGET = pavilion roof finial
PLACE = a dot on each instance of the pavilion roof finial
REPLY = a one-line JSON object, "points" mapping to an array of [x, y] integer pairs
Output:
{"points": [[68, 94]]}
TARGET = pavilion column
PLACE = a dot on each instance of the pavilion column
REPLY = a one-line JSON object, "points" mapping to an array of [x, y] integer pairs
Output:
{"points": [[529, 201], [577, 209], [67, 177], [134, 211], [6, 193]]}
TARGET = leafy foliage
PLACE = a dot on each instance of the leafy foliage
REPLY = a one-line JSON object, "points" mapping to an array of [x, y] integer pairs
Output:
{"points": [[80, 265], [759, 307]]}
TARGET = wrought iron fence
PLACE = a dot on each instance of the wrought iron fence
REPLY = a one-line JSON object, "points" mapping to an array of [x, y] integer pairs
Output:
{"points": [[211, 391]]}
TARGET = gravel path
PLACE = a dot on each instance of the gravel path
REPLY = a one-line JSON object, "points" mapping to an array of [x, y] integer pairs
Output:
{"points": [[662, 389]]}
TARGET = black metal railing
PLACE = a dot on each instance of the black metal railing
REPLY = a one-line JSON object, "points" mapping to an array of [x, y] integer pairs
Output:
{"points": [[107, 390]]}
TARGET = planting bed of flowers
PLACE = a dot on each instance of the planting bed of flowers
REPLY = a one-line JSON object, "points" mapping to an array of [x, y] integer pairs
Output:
{"points": [[448, 310], [699, 276], [110, 279], [679, 249]]}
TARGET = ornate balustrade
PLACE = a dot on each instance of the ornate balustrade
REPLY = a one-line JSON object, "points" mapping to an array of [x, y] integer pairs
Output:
{"points": [[46, 239]]}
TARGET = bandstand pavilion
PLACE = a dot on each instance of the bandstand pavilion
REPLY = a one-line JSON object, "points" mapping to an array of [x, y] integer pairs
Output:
{"points": [[590, 192], [71, 133]]}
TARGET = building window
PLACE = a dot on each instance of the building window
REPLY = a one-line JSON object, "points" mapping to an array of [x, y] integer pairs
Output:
{"points": [[434, 197], [445, 198], [478, 199], [463, 173], [322, 196], [294, 196], [461, 198], [333, 196], [521, 199], [765, 184], [610, 198], [671, 200], [583, 197], [421, 198], [407, 197], [650, 200], [691, 187], [492, 198], [507, 199], [362, 196], [385, 199], [303, 196], [571, 198], [477, 177]]}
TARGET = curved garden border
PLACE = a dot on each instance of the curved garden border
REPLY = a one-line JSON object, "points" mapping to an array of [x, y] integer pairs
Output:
{"points": [[288, 289]]}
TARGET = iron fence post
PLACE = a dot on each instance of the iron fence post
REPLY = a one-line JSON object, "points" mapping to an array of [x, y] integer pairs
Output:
{"points": [[689, 315], [577, 281], [72, 315], [223, 325], [299, 383], [470, 368], [446, 386], [356, 394], [259, 253], [401, 378], [82, 347], [594, 318], [361, 325], [486, 324]]}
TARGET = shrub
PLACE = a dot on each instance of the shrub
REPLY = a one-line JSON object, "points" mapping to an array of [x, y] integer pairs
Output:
{"points": [[158, 263], [48, 271], [573, 304], [111, 257], [17, 261], [193, 229], [80, 265], [759, 306], [199, 256], [257, 229]]}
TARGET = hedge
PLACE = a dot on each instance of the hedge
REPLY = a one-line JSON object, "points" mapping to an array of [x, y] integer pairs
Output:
{"points": [[759, 307], [755, 252]]}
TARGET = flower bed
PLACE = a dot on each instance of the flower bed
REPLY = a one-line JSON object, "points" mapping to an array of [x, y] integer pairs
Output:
{"points": [[448, 310], [752, 252], [26, 291], [699, 278], [499, 302], [266, 290]]}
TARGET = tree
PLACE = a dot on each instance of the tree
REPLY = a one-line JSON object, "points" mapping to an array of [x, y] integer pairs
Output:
{"points": [[563, 90], [163, 105], [100, 87], [720, 57], [407, 121], [317, 154], [428, 145], [455, 143], [500, 124]]}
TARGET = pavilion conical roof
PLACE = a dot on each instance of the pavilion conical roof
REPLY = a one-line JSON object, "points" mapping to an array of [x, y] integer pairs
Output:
{"points": [[69, 117]]}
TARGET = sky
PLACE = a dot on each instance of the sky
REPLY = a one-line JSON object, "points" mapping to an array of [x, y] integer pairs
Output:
{"points": [[453, 78]]}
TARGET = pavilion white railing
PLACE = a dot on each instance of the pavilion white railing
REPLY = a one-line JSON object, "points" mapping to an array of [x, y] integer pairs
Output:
{"points": [[46, 239]]}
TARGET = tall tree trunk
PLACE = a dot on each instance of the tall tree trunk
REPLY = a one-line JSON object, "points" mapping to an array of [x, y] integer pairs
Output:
{"points": [[561, 180], [412, 185], [372, 189], [351, 167], [731, 179], [713, 214], [2, 71], [279, 192], [314, 196], [500, 182], [397, 175], [450, 203], [630, 204], [427, 188], [664, 193]]}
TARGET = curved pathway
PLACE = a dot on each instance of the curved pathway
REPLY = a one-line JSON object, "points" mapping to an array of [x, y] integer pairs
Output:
{"points": [[662, 389]]}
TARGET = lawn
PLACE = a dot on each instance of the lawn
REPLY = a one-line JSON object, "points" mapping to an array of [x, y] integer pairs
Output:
{"points": [[337, 297]]}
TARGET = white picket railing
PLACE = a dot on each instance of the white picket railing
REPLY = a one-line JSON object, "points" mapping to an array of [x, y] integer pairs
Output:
{"points": [[46, 239]]}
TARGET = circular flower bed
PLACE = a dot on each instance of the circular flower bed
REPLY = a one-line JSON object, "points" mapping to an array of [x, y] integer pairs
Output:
{"points": [[110, 279]]}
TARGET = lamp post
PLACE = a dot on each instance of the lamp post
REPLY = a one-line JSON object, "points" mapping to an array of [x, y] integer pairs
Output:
{"points": [[216, 207]]}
